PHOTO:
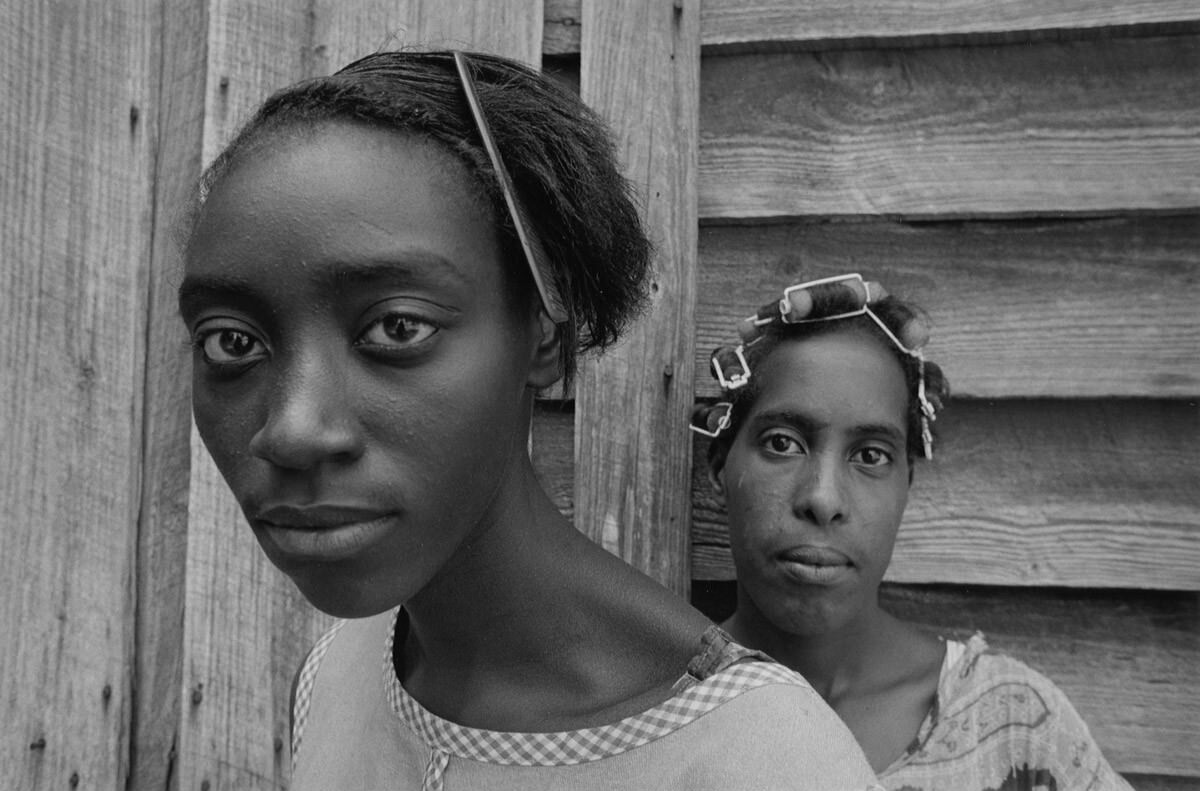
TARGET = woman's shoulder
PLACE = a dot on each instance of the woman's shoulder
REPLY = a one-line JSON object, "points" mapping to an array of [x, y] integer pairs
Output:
{"points": [[973, 668], [762, 722]]}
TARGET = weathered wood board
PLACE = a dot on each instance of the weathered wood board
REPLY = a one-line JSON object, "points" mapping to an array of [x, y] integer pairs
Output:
{"points": [[1099, 127], [886, 22], [176, 115], [832, 23], [640, 70], [75, 193], [346, 31]]}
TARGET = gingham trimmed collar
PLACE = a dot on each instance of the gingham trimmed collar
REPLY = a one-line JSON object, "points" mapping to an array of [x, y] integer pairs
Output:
{"points": [[721, 671]]}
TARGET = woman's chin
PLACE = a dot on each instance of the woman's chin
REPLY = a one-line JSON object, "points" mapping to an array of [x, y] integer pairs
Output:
{"points": [[344, 596]]}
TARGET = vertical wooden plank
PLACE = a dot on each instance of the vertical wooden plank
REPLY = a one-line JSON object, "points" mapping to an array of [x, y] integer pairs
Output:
{"points": [[640, 69], [175, 119], [346, 31], [245, 627], [512, 28], [74, 220]]}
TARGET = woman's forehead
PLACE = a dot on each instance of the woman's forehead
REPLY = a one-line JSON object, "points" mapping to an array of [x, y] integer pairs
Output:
{"points": [[346, 195], [844, 370]]}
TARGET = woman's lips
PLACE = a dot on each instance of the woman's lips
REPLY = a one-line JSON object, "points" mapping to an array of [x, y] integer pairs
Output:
{"points": [[816, 565], [323, 532]]}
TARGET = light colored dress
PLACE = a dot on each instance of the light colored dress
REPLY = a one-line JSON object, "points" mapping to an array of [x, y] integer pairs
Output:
{"points": [[735, 721], [999, 725]]}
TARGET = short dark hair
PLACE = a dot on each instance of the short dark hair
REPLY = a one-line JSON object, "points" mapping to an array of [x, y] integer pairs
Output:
{"points": [[559, 153]]}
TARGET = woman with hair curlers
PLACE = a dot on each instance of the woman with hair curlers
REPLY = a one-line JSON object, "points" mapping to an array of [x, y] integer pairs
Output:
{"points": [[829, 403], [385, 266]]}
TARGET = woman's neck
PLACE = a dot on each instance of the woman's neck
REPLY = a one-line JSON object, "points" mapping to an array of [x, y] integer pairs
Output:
{"points": [[834, 661], [482, 599], [531, 626], [878, 673]]}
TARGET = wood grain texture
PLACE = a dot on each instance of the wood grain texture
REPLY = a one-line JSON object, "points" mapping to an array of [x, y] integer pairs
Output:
{"points": [[640, 67], [76, 206], [1149, 782], [175, 119], [235, 720], [1057, 308], [1103, 126], [561, 31], [1030, 493], [830, 23], [512, 28], [343, 32], [726, 22]]}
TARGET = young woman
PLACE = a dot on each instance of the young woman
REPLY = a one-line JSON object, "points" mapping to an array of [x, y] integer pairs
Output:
{"points": [[830, 403], [385, 265]]}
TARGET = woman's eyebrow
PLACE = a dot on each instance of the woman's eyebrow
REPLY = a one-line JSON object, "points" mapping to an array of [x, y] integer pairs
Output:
{"points": [[888, 430], [803, 422], [797, 420], [417, 267], [196, 291]]}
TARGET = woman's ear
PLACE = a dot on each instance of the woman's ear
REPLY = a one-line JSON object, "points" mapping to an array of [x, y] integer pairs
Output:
{"points": [[717, 451], [545, 365]]}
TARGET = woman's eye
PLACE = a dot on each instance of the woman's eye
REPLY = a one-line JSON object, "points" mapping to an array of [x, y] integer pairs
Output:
{"points": [[782, 444], [230, 346], [396, 331], [873, 457]]}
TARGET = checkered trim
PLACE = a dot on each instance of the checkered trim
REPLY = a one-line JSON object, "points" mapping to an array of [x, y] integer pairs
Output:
{"points": [[735, 670], [304, 686]]}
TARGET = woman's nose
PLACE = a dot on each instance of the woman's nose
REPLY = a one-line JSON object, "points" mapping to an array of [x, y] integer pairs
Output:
{"points": [[820, 496], [309, 420]]}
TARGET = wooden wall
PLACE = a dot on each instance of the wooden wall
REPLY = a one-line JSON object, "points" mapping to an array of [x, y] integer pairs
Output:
{"points": [[1030, 172]]}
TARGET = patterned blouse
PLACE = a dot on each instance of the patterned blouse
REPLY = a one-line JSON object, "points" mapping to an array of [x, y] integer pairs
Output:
{"points": [[998, 725]]}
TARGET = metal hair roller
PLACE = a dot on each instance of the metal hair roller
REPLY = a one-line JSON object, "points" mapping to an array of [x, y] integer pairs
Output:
{"points": [[797, 304], [711, 421], [730, 367]]}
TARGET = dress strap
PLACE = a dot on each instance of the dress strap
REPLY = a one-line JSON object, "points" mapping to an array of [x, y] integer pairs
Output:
{"points": [[717, 652]]}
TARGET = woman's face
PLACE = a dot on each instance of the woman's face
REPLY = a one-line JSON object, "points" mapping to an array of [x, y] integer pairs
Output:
{"points": [[359, 375], [816, 481]]}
